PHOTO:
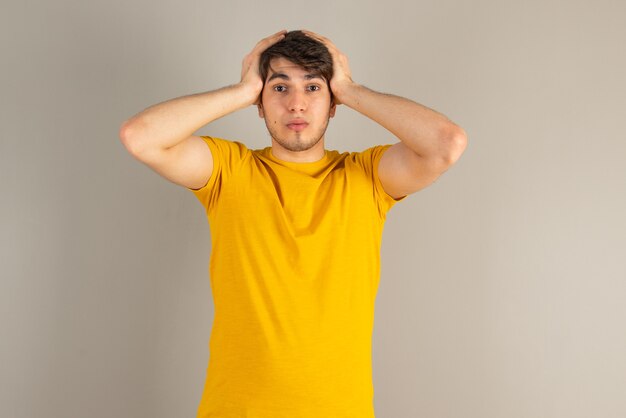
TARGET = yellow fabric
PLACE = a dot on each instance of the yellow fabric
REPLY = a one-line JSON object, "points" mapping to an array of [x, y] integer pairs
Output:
{"points": [[295, 267]]}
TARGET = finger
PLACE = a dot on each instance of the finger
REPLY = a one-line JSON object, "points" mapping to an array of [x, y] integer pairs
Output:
{"points": [[278, 35], [311, 33], [317, 36], [327, 42], [270, 40]]}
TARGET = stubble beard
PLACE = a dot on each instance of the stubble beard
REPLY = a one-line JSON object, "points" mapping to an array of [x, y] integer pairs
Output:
{"points": [[301, 143]]}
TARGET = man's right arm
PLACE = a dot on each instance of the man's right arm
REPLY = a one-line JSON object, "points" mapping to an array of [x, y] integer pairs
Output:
{"points": [[162, 137]]}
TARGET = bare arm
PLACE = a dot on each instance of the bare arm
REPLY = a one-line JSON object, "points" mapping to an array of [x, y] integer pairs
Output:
{"points": [[429, 142], [166, 124], [161, 136]]}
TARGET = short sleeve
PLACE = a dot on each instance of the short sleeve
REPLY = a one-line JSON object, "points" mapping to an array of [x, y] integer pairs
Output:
{"points": [[227, 156], [370, 158]]}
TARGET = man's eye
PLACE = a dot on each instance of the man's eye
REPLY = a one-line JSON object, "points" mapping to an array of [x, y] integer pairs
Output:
{"points": [[280, 88], [314, 88]]}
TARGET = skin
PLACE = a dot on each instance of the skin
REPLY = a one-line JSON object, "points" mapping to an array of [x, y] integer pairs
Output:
{"points": [[429, 142], [162, 137], [296, 106]]}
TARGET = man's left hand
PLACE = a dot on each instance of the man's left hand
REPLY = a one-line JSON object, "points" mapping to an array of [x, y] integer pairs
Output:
{"points": [[342, 77]]}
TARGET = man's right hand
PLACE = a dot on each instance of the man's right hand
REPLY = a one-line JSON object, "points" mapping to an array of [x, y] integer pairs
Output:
{"points": [[250, 76], [162, 137]]}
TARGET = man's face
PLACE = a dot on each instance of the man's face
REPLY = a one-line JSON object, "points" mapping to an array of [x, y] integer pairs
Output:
{"points": [[296, 106]]}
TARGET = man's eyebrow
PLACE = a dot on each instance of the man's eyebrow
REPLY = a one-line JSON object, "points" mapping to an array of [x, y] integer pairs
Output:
{"points": [[284, 76], [278, 75]]}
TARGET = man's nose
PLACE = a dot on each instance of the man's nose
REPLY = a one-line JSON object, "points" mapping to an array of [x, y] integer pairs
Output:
{"points": [[297, 101]]}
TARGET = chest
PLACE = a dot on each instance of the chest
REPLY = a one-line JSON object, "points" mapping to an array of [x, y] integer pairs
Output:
{"points": [[297, 203]]}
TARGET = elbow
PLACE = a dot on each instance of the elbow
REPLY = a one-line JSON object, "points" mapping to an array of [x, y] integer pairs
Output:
{"points": [[128, 135], [123, 133], [455, 140]]}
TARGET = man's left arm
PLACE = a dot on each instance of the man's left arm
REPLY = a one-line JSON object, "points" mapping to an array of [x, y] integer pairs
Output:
{"points": [[429, 142]]}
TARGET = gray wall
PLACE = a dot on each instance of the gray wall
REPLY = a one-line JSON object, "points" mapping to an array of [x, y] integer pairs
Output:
{"points": [[503, 284]]}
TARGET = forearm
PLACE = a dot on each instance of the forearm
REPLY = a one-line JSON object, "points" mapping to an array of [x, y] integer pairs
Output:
{"points": [[427, 132], [168, 123]]}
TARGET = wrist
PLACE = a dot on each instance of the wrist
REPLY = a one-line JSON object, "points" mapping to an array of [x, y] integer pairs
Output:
{"points": [[250, 90], [344, 91]]}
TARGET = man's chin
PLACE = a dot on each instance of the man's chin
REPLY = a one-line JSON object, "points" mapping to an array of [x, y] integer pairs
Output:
{"points": [[297, 146]]}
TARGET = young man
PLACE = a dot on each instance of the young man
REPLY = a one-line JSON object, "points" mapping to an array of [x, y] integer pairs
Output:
{"points": [[296, 228]]}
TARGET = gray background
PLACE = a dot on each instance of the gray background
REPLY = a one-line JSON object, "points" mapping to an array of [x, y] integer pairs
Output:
{"points": [[503, 284]]}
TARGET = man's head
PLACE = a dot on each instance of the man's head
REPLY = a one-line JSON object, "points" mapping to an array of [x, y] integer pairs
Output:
{"points": [[306, 52], [296, 100]]}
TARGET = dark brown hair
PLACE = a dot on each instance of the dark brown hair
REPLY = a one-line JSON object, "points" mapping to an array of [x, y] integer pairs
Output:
{"points": [[302, 50]]}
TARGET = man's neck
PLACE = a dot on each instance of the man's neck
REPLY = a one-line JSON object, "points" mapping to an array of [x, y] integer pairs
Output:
{"points": [[311, 155]]}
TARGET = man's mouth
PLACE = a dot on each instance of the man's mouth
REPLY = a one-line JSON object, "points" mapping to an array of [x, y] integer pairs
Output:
{"points": [[297, 125]]}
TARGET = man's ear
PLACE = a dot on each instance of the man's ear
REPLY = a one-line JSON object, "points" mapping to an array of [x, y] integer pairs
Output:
{"points": [[260, 108], [333, 108]]}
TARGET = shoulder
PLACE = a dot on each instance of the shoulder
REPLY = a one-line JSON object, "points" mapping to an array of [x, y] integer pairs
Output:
{"points": [[225, 151], [369, 158], [225, 145], [367, 163]]}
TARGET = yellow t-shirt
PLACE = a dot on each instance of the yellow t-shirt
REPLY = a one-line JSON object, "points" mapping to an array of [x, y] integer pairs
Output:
{"points": [[295, 267]]}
